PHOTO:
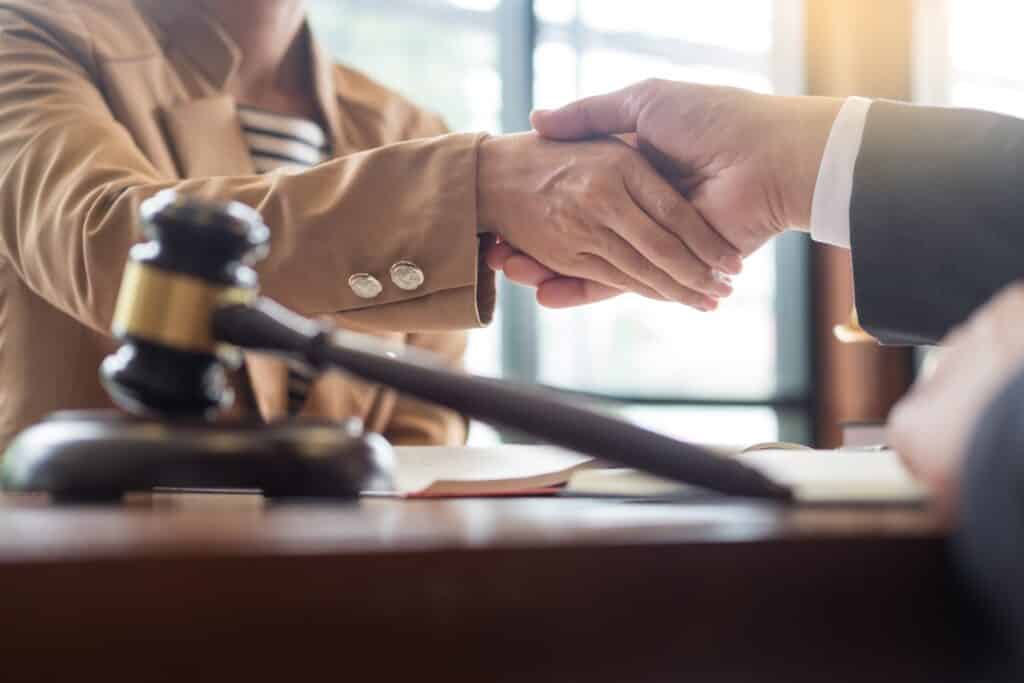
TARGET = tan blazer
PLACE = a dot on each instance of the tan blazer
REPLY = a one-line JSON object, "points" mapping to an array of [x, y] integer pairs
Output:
{"points": [[105, 102]]}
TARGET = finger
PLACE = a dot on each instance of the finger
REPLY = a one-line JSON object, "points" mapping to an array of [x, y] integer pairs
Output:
{"points": [[626, 270], [571, 292], [650, 253], [601, 271], [602, 115], [675, 213], [524, 270], [497, 255]]}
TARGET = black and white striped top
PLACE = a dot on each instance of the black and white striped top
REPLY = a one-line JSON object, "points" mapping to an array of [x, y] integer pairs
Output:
{"points": [[286, 143], [282, 142]]}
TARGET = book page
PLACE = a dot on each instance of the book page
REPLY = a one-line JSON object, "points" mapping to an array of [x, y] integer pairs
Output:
{"points": [[845, 474], [816, 476], [428, 470]]}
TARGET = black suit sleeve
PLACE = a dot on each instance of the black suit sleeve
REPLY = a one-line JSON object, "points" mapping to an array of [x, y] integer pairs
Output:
{"points": [[936, 217], [990, 541]]}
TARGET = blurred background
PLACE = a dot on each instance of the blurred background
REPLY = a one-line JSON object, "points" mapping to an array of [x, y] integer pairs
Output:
{"points": [[766, 366]]}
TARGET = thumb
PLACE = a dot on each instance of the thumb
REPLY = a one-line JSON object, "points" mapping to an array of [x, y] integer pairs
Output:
{"points": [[598, 116]]}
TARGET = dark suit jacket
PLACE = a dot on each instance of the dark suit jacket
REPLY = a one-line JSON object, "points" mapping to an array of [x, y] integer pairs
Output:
{"points": [[990, 542], [936, 217], [937, 228]]}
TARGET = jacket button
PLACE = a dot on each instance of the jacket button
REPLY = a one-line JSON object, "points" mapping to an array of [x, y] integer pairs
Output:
{"points": [[365, 286], [407, 275]]}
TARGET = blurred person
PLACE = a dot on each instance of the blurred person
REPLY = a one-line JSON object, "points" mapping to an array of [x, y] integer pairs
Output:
{"points": [[377, 214], [961, 430]]}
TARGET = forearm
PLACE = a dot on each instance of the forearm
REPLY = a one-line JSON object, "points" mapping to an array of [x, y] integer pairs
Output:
{"points": [[327, 225]]}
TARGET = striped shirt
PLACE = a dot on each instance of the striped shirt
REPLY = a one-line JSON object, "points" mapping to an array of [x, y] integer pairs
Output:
{"points": [[282, 142], [289, 144]]}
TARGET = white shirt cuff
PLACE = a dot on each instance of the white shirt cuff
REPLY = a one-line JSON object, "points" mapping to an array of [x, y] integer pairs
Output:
{"points": [[830, 208]]}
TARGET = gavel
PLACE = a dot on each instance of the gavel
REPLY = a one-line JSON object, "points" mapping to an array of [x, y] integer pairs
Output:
{"points": [[189, 302]]}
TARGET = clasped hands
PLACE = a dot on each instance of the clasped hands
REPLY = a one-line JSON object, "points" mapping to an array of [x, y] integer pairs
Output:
{"points": [[701, 177]]}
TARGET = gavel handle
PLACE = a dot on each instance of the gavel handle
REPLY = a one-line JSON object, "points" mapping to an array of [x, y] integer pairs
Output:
{"points": [[267, 326]]}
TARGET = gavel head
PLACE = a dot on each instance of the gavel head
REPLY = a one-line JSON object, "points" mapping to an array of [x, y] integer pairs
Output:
{"points": [[197, 257]]}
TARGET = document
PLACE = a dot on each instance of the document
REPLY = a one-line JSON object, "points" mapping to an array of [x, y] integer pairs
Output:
{"points": [[439, 472], [816, 476]]}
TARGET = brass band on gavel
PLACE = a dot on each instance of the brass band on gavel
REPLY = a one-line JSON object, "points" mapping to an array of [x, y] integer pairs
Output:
{"points": [[183, 322]]}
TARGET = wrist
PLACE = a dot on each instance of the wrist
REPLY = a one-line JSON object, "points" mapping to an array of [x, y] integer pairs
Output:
{"points": [[810, 121], [489, 183]]}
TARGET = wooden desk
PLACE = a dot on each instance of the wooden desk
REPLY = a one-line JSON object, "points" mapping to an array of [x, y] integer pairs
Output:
{"points": [[534, 590]]}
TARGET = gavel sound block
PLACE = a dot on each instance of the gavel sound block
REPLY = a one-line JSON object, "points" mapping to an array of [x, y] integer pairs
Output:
{"points": [[189, 301]]}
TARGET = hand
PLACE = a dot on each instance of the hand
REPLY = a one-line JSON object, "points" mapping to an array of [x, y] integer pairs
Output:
{"points": [[932, 426], [599, 211], [747, 162], [553, 290]]}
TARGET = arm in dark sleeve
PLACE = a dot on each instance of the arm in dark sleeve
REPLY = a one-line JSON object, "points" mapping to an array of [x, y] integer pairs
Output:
{"points": [[936, 217], [990, 541]]}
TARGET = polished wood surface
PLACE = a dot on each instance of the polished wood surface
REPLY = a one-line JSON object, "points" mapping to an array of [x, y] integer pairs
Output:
{"points": [[199, 587]]}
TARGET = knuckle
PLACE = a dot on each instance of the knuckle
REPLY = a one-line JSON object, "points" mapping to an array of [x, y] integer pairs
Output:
{"points": [[584, 265], [577, 259], [594, 243], [668, 246], [674, 251], [562, 261], [594, 187], [645, 273], [649, 273], [708, 279], [692, 273], [673, 209], [613, 277], [650, 86]]}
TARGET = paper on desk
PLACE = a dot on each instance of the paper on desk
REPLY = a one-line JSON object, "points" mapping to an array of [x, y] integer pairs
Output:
{"points": [[816, 476], [462, 471]]}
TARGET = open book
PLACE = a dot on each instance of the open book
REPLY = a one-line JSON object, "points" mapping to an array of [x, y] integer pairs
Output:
{"points": [[840, 476], [439, 472]]}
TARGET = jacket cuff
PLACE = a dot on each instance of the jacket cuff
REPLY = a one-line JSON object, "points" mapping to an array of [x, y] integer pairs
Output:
{"points": [[460, 308], [412, 204]]}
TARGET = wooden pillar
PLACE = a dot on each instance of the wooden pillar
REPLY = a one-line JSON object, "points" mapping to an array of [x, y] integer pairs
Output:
{"points": [[854, 47]]}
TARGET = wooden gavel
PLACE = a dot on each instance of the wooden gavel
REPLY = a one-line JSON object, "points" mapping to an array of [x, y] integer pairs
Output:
{"points": [[190, 290]]}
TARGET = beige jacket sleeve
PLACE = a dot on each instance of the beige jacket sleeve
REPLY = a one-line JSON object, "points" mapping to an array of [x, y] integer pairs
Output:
{"points": [[418, 423], [71, 182]]}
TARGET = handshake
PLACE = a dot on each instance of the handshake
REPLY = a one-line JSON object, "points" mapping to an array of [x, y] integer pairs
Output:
{"points": [[698, 178]]}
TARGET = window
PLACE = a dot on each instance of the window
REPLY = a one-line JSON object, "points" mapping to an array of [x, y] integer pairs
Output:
{"points": [[442, 55], [740, 375], [968, 52]]}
